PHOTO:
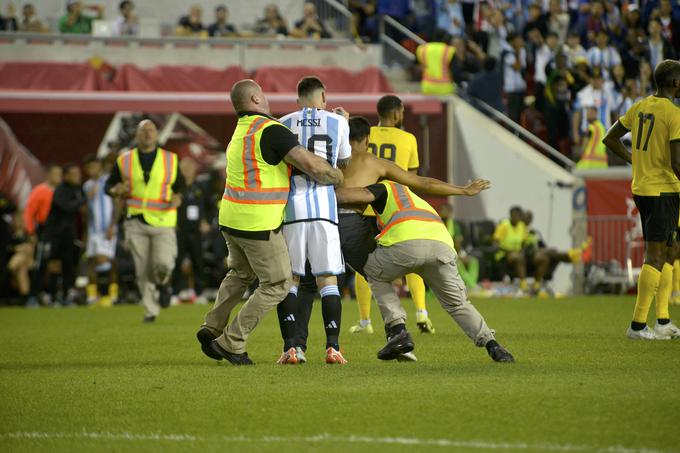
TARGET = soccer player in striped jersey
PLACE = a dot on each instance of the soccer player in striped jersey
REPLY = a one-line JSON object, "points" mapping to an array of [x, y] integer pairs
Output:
{"points": [[388, 141], [311, 219], [101, 235]]}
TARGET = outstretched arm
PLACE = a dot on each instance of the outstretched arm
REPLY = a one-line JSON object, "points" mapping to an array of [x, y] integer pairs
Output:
{"points": [[429, 186], [612, 140], [316, 167], [354, 196]]}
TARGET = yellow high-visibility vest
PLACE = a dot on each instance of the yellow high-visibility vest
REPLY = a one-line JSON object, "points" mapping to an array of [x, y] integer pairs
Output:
{"points": [[255, 193], [407, 217], [435, 58], [510, 238], [150, 199], [595, 152]]}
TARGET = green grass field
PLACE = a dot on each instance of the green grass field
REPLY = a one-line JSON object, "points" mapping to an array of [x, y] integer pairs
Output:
{"points": [[87, 379]]}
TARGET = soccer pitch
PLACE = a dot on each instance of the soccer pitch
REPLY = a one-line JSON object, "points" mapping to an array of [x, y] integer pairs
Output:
{"points": [[88, 379]]}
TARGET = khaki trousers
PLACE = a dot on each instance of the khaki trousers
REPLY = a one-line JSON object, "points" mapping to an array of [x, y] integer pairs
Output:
{"points": [[436, 263], [154, 250], [249, 258]]}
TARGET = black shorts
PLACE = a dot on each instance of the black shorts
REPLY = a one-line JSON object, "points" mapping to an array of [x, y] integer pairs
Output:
{"points": [[357, 239], [659, 216]]}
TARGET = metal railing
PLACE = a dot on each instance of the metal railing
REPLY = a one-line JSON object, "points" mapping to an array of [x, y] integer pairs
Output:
{"points": [[525, 135], [393, 52], [336, 17]]}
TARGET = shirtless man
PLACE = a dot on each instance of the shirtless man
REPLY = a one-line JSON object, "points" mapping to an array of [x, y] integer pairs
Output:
{"points": [[356, 231]]}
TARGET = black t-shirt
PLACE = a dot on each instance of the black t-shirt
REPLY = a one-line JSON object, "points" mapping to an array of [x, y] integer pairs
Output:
{"points": [[146, 161], [185, 22], [218, 29], [276, 141], [379, 191]]}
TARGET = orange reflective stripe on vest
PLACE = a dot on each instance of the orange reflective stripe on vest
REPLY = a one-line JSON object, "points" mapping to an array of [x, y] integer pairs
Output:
{"points": [[262, 196], [250, 166], [407, 210]]}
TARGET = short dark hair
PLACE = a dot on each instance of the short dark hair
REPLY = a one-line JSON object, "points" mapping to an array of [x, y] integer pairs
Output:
{"points": [[68, 166], [359, 128], [308, 85], [388, 104], [90, 158], [50, 165], [221, 8], [123, 4], [516, 209], [489, 64], [666, 72]]}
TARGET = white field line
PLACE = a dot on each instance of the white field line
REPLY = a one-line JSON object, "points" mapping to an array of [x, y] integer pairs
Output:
{"points": [[325, 438]]}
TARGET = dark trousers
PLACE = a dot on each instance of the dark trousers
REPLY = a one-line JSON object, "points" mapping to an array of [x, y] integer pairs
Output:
{"points": [[40, 266], [65, 250], [515, 105], [189, 244]]}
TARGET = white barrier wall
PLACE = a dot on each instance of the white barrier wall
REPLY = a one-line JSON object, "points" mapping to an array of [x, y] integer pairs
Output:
{"points": [[519, 176]]}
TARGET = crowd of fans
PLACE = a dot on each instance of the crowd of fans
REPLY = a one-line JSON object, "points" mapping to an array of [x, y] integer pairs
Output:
{"points": [[79, 17], [544, 63]]}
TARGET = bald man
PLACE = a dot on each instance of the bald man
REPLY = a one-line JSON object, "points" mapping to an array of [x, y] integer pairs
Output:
{"points": [[260, 155], [147, 178]]}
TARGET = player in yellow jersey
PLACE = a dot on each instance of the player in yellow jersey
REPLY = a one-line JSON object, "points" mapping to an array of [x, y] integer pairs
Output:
{"points": [[654, 123], [389, 142]]}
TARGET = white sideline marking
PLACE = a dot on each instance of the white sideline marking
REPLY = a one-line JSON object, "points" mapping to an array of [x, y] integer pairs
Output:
{"points": [[326, 438]]}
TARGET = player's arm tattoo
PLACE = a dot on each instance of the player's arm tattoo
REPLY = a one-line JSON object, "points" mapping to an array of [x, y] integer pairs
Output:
{"points": [[316, 167], [344, 163]]}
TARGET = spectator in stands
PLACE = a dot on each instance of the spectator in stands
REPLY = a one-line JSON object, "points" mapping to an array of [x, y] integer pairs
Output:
{"points": [[35, 215], [61, 234], [509, 237], [603, 55], [467, 60], [192, 225], [514, 63], [127, 24], [221, 26], [557, 109], [364, 19], [669, 21], [30, 22], [558, 20], [192, 23], [630, 94], [646, 78], [399, 10], [8, 22], [76, 21], [632, 21], [545, 53], [593, 22], [487, 86], [658, 48], [310, 26], [272, 23], [594, 94], [535, 20], [21, 260], [450, 17], [496, 32], [573, 48]]}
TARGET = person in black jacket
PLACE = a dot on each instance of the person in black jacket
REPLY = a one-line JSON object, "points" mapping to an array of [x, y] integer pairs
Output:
{"points": [[61, 231], [192, 225]]}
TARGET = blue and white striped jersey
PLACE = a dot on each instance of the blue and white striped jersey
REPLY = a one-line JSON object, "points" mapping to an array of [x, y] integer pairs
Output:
{"points": [[99, 205], [327, 135]]}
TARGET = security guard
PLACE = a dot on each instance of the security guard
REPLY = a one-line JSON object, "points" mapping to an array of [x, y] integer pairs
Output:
{"points": [[147, 177], [413, 239], [594, 152], [259, 156], [435, 58]]}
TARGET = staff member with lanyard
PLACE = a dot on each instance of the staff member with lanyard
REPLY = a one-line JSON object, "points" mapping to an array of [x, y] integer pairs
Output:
{"points": [[147, 178], [259, 159]]}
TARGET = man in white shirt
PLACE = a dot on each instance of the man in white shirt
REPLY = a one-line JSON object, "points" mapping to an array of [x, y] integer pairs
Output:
{"points": [[514, 61], [127, 23], [593, 94], [602, 55]]}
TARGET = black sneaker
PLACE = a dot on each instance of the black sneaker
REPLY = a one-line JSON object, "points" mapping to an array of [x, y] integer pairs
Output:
{"points": [[148, 319], [164, 295], [205, 337], [396, 345], [234, 359], [500, 354]]}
